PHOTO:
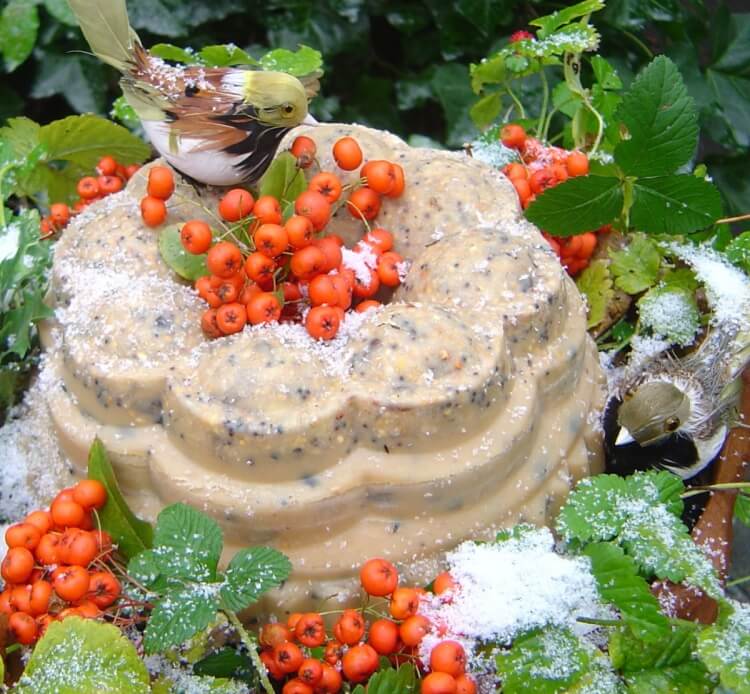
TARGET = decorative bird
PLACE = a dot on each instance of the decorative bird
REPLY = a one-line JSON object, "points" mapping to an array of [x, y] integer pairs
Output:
{"points": [[219, 126]]}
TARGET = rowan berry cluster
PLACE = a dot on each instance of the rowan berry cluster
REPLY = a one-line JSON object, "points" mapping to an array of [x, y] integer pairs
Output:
{"points": [[264, 269], [352, 649], [543, 167], [57, 564], [112, 177]]}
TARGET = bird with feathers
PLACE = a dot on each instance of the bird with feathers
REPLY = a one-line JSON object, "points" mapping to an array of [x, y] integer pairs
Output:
{"points": [[219, 126]]}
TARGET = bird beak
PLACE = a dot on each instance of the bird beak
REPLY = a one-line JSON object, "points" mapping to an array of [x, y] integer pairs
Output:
{"points": [[309, 120], [624, 437]]}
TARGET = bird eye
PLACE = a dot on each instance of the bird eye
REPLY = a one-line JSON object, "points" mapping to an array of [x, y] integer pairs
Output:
{"points": [[288, 108], [672, 424]]}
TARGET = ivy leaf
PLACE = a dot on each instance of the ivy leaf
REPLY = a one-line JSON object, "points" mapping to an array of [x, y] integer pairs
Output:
{"points": [[674, 204], [725, 647], [577, 205], [180, 614], [187, 543], [173, 253], [547, 661], [129, 533], [19, 24], [742, 509], [595, 283], [82, 655], [636, 267], [738, 251], [593, 511], [225, 56], [401, 681], [302, 62], [284, 181], [251, 573], [671, 313], [620, 584], [661, 119]]}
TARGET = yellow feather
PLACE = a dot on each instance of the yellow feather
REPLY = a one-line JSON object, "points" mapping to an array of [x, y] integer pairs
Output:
{"points": [[279, 99]]}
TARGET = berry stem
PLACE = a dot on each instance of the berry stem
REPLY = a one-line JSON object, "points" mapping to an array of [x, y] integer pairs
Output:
{"points": [[252, 647], [724, 486], [730, 220]]}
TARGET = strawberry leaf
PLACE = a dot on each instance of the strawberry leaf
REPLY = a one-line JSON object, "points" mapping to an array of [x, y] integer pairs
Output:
{"points": [[577, 205], [636, 267], [592, 511], [670, 312], [595, 283], [173, 253], [661, 119], [674, 204], [251, 573], [302, 62], [725, 647]]}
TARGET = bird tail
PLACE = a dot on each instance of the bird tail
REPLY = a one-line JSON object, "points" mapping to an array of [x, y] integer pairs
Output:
{"points": [[106, 27]]}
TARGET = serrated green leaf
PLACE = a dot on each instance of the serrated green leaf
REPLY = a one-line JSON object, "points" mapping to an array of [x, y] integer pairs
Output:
{"points": [[180, 614], [605, 74], [552, 22], [630, 654], [78, 656], [19, 24], [636, 267], [674, 204], [671, 313], [130, 534], [547, 661], [390, 681], [577, 205], [681, 278], [173, 253], [724, 647], [658, 487], [284, 181], [225, 56], [252, 572], [21, 135], [690, 677], [187, 543], [592, 511], [661, 119], [738, 251], [145, 569], [742, 509], [489, 71], [595, 283], [486, 110], [304, 61], [620, 584], [168, 51]]}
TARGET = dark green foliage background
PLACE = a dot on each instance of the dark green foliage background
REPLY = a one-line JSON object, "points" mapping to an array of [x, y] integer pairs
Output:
{"points": [[404, 65]]}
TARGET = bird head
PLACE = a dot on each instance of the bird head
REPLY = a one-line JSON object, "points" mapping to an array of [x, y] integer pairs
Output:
{"points": [[651, 412], [279, 99]]}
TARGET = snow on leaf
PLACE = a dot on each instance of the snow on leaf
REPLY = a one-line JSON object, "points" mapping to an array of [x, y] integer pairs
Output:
{"points": [[671, 313], [724, 647], [690, 677], [636, 267], [251, 573], [738, 251], [302, 62], [82, 655], [595, 283]]}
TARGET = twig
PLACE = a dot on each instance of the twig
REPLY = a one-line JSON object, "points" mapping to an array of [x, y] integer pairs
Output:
{"points": [[252, 648], [729, 220]]}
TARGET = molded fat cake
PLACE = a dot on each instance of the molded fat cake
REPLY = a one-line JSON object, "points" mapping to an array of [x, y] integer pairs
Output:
{"points": [[468, 402]]}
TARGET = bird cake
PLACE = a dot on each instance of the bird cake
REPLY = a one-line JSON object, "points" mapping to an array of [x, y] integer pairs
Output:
{"points": [[469, 400]]}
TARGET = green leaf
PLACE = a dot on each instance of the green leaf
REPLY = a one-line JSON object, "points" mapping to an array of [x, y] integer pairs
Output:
{"points": [[284, 181], [401, 681], [225, 56], [593, 511], [227, 662], [660, 487], [520, 531], [742, 509], [19, 24], [486, 110], [725, 647], [304, 61], [489, 71], [547, 661], [173, 253], [671, 313], [674, 204], [620, 584], [187, 543], [738, 251], [661, 119], [252, 572], [630, 654], [130, 534], [595, 283], [180, 614], [605, 74], [681, 278], [690, 677], [125, 113], [577, 205], [168, 51], [552, 22], [636, 267], [80, 79], [60, 10], [17, 327], [144, 567], [78, 656]]}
